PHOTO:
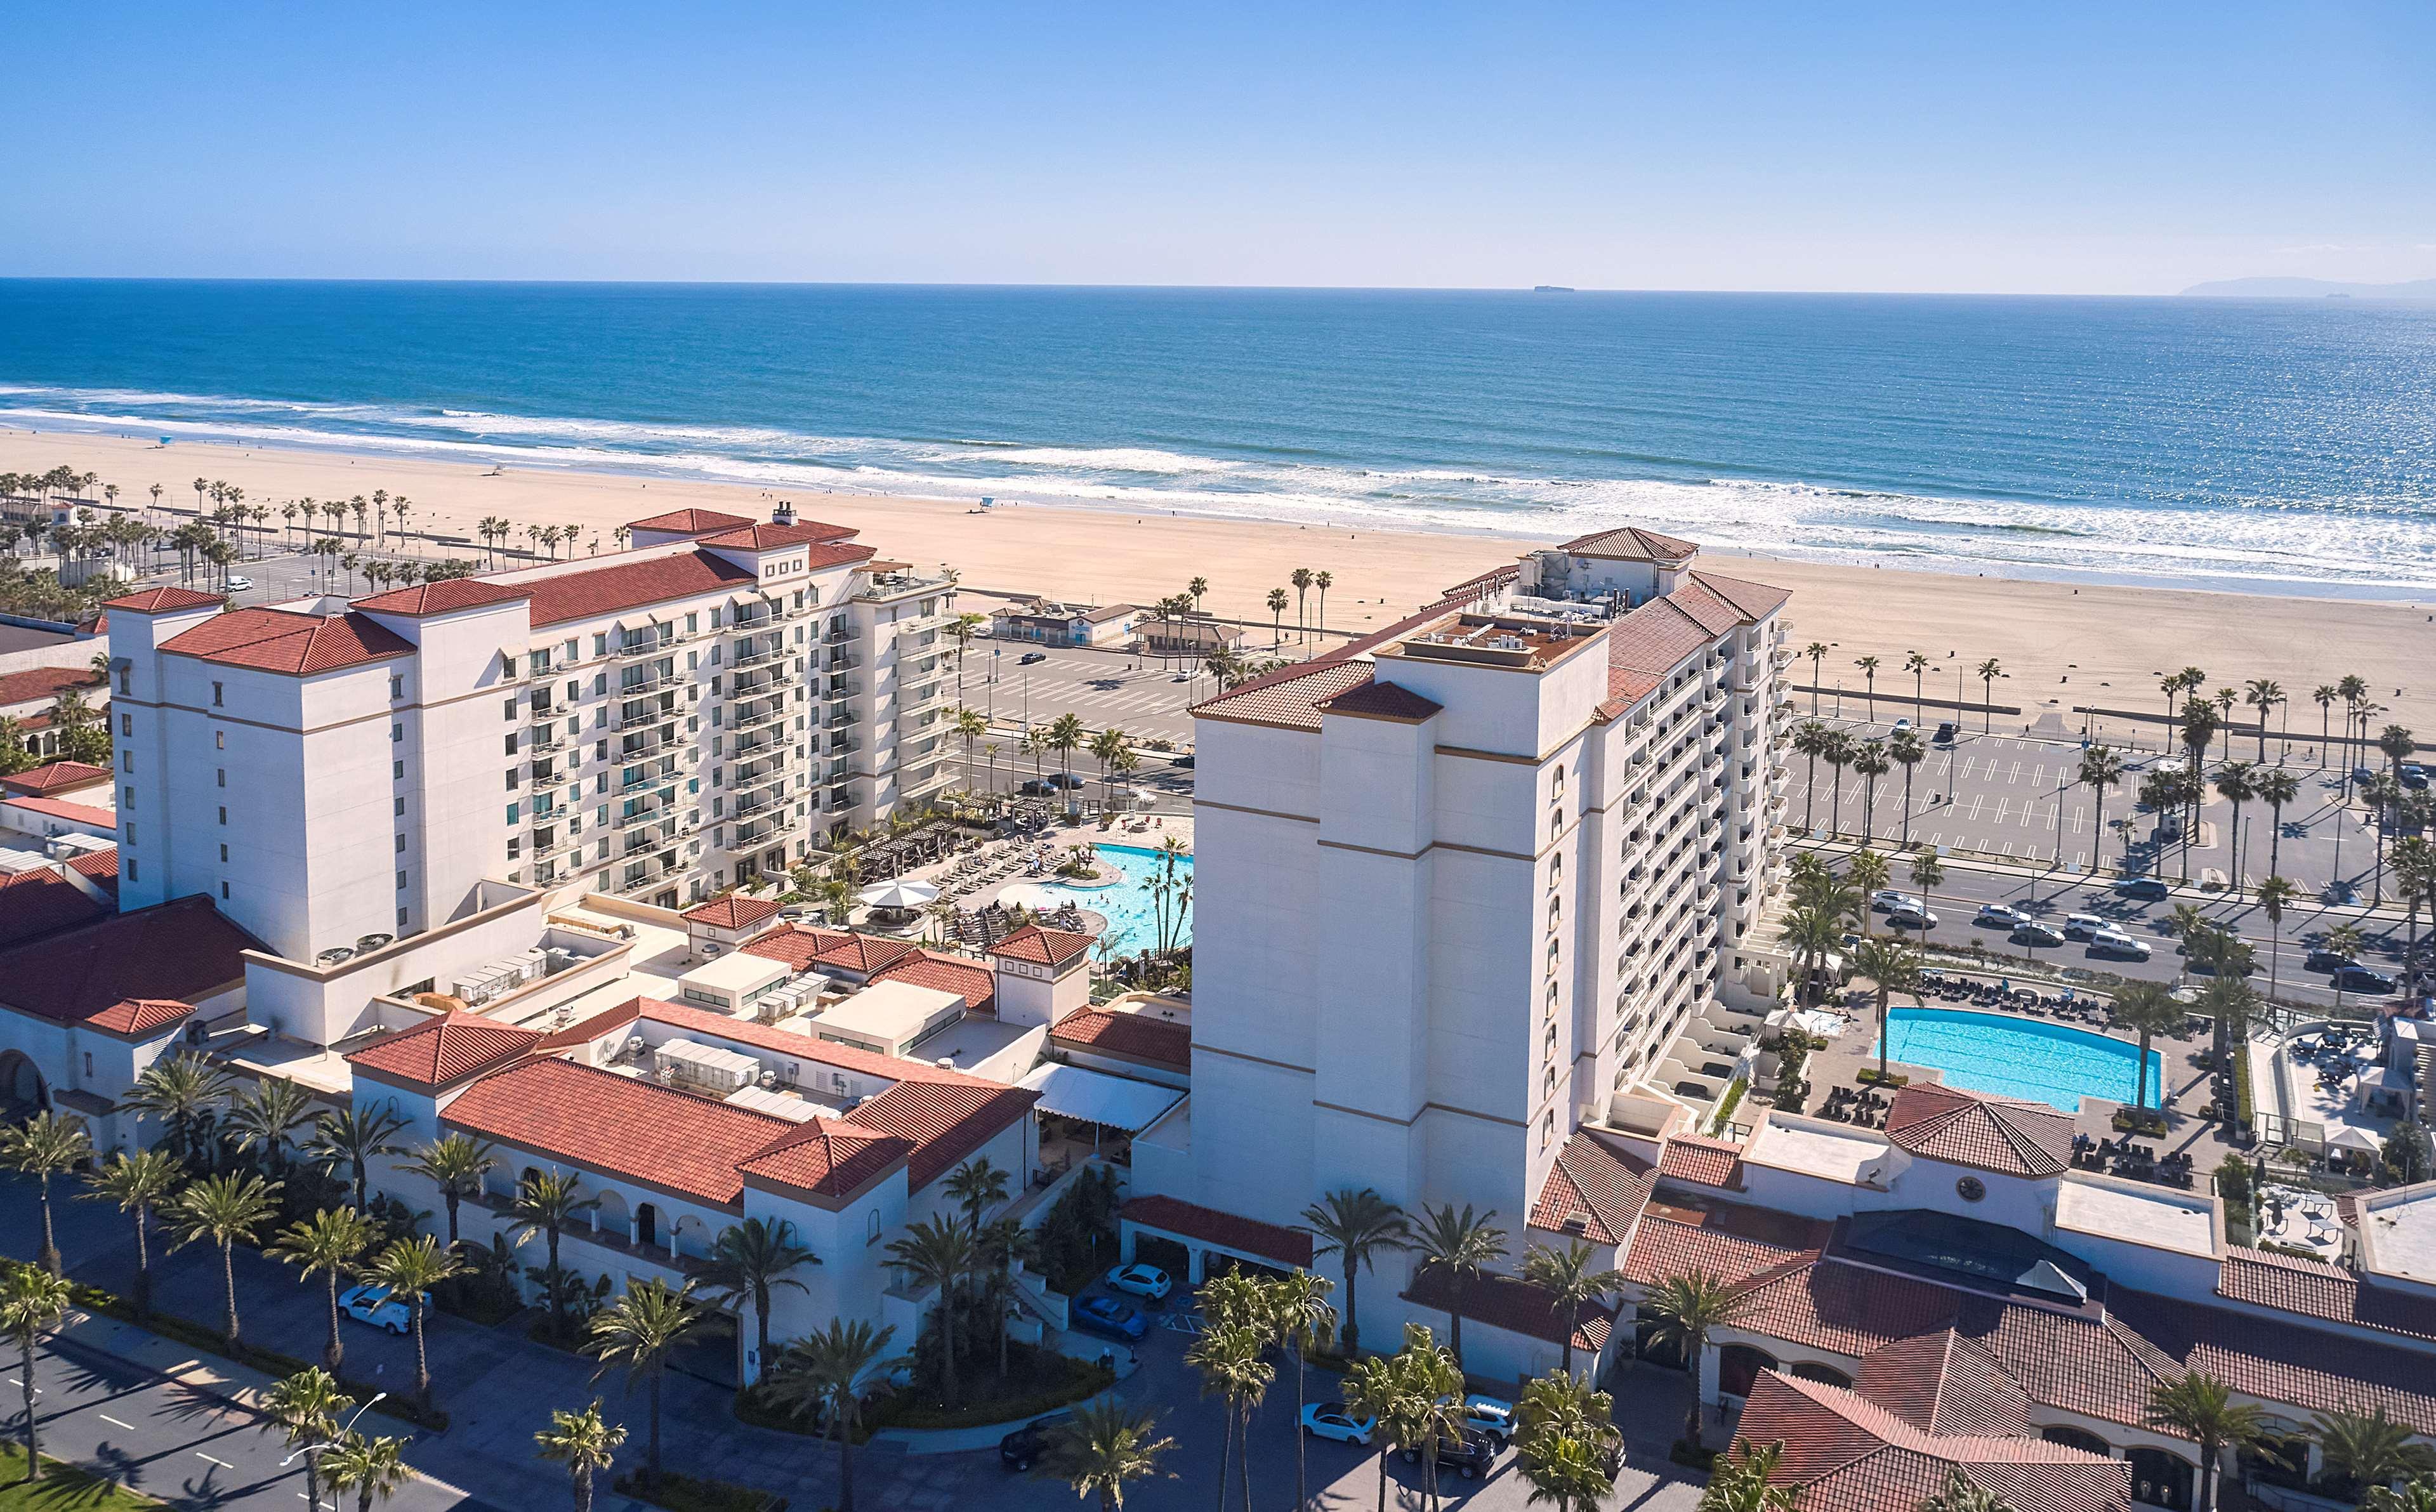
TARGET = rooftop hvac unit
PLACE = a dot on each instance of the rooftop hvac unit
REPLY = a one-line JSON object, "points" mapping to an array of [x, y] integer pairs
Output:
{"points": [[634, 1044]]}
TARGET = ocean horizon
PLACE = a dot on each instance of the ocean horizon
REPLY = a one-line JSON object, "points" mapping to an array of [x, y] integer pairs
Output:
{"points": [[2285, 446]]}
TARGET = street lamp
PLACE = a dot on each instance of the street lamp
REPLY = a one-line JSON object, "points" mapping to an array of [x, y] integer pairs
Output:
{"points": [[316, 1449]]}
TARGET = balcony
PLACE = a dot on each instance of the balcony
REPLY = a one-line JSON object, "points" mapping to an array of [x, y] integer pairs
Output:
{"points": [[760, 681], [840, 718], [918, 698], [635, 781], [645, 841], [544, 771], [763, 738], [644, 813], [641, 646], [647, 872], [842, 744], [635, 718], [543, 739], [841, 660], [644, 747], [843, 688], [844, 636], [762, 834], [771, 713], [751, 618], [749, 654], [555, 841]]}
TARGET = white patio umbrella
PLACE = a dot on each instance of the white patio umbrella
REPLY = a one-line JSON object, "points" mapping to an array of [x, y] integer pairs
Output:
{"points": [[2351, 1136], [900, 893]]}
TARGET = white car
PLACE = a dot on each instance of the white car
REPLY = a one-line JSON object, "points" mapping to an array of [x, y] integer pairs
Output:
{"points": [[236, 583], [1491, 1418], [1142, 1281], [1900, 725], [367, 1303], [2115, 943], [1997, 916], [1887, 900], [1334, 1420], [2083, 925]]}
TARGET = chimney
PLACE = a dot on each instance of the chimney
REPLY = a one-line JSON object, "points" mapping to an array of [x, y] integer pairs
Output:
{"points": [[783, 513]]}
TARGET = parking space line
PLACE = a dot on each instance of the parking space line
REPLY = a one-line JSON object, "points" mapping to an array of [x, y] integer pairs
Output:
{"points": [[114, 1422], [222, 1463]]}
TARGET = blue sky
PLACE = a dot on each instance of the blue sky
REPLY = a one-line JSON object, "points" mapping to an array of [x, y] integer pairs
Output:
{"points": [[2116, 148]]}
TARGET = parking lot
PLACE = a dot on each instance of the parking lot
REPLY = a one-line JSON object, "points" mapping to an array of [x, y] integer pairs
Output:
{"points": [[1137, 694]]}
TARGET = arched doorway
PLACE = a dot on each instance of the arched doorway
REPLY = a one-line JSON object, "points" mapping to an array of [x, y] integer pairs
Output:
{"points": [[1738, 1366], [647, 1223], [2087, 1443], [2162, 1478], [1824, 1374], [1652, 1343], [22, 1091]]}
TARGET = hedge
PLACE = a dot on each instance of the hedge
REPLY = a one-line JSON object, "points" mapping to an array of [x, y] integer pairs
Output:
{"points": [[1725, 1105], [694, 1493], [1869, 1076], [1085, 1382]]}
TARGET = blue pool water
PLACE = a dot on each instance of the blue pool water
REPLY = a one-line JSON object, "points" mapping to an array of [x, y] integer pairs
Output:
{"points": [[1128, 910], [2021, 1057]]}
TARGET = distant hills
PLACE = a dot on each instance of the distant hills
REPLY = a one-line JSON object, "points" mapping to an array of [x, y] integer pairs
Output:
{"points": [[2311, 289]]}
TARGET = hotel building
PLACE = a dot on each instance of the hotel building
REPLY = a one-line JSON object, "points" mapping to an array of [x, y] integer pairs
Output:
{"points": [[679, 717]]}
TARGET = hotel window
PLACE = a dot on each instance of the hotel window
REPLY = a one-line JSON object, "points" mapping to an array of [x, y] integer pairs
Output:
{"points": [[126, 725], [224, 851], [401, 918], [223, 813], [220, 776], [401, 846], [127, 796], [1556, 786], [397, 686], [397, 768], [224, 892], [219, 740], [599, 644], [131, 868], [401, 882], [216, 695], [397, 805], [123, 674], [126, 760], [512, 743], [396, 732]]}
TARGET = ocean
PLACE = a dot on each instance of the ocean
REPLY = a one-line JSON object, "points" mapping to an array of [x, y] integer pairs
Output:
{"points": [[2271, 445]]}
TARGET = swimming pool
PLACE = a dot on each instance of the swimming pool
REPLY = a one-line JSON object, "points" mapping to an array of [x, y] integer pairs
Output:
{"points": [[2021, 1057], [1128, 910]]}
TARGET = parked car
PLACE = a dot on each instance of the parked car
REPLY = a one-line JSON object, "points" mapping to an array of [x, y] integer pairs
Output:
{"points": [[2116, 944], [1469, 1457], [1030, 656], [1945, 733], [1142, 1280], [2145, 889], [368, 1303], [1997, 916], [1886, 900], [1105, 1315], [2360, 979], [2037, 934], [2413, 775], [1900, 725], [2322, 959], [1334, 1420], [2363, 774], [236, 583], [2083, 925], [1019, 1449], [1492, 1416], [1910, 919], [1185, 761]]}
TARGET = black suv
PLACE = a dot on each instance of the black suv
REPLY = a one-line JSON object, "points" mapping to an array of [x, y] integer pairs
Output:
{"points": [[1019, 1449], [1470, 1456]]}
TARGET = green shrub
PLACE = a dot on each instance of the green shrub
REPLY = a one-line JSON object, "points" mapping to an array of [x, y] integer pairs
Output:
{"points": [[1871, 1076], [693, 1493], [1725, 1105], [1083, 1381], [1683, 1451]]}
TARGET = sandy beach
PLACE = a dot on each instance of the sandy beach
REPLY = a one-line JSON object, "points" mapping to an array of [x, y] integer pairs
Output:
{"points": [[2059, 645]]}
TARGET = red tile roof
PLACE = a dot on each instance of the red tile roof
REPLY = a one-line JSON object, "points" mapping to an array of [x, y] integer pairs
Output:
{"points": [[120, 971], [444, 596], [1631, 544], [1945, 1384], [1728, 1242], [1133, 1036], [771, 537], [968, 980], [39, 902], [1604, 1189], [609, 590], [277, 640], [1043, 948], [447, 1050], [805, 946], [689, 522], [163, 601], [2291, 1363], [100, 868], [38, 683], [1846, 1453], [1701, 1160], [1380, 701], [617, 1126], [943, 1122], [1998, 1134], [57, 778], [1509, 1303], [828, 1157], [1247, 1236], [2315, 1289], [733, 912], [1752, 602], [1290, 697], [1645, 646], [81, 813]]}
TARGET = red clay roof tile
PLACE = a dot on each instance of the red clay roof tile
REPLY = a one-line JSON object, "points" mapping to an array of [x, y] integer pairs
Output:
{"points": [[37, 684], [1133, 1036], [39, 902], [608, 590], [733, 912], [2317, 1290], [689, 522], [447, 1049], [617, 1126], [82, 813], [1969, 1128], [163, 601], [55, 778], [1512, 1304], [277, 640], [1248, 1236], [968, 980], [444, 596], [1043, 948], [171, 952], [1601, 1187], [1701, 1160]]}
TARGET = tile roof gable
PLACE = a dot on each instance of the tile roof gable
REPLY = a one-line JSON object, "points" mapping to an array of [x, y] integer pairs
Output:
{"points": [[277, 640], [1133, 1035], [449, 1048], [1605, 1188], [2002, 1135]]}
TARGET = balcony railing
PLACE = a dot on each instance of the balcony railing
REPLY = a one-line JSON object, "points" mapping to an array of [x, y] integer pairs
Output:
{"points": [[646, 814], [749, 654], [759, 681], [840, 660], [632, 781], [645, 747], [642, 646], [844, 637], [634, 719], [753, 618], [840, 718], [650, 683], [762, 738], [757, 719], [761, 833], [543, 737]]}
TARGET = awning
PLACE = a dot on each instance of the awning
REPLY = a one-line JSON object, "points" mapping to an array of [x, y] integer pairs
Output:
{"points": [[1095, 1096], [2350, 1136]]}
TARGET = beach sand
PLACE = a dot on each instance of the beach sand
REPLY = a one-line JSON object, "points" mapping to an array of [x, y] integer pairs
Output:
{"points": [[2059, 645]]}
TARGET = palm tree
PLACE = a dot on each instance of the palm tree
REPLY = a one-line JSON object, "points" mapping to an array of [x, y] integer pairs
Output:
{"points": [[32, 1301], [1686, 1308], [1105, 1446], [2233, 786], [1355, 1225], [1837, 750], [328, 1242], [1989, 670], [1295, 1308], [1300, 578], [1809, 741], [1817, 651], [45, 1146], [356, 1139], [456, 1164], [2418, 1495], [1865, 875], [1463, 1246], [226, 1210], [409, 1268], [139, 1183], [586, 1442], [2275, 788], [2263, 694], [1374, 1388], [2274, 895], [373, 1468], [1277, 602], [638, 1331], [2145, 1009], [2343, 940], [180, 1092], [1891, 966], [1066, 735], [748, 1262], [1323, 580], [2327, 696], [265, 1118], [1570, 1276], [1234, 1364], [545, 1203], [1869, 665], [2199, 1407], [1559, 1405], [1870, 760], [938, 1253], [1740, 1484], [1905, 749], [1566, 1472], [824, 1374], [1959, 1495], [2101, 767], [2370, 1448], [308, 1405]]}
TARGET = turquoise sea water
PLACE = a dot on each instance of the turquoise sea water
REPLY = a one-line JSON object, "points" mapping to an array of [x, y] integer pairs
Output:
{"points": [[2276, 445], [2021, 1057], [1125, 905]]}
